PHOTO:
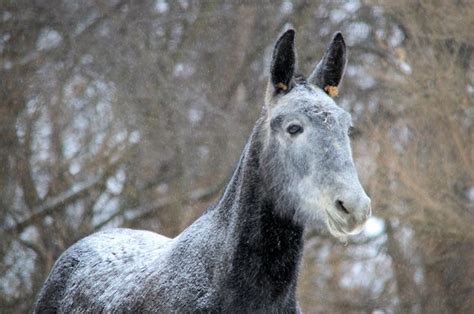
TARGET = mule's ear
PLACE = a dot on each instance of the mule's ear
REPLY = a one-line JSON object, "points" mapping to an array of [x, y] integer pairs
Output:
{"points": [[329, 71], [282, 67]]}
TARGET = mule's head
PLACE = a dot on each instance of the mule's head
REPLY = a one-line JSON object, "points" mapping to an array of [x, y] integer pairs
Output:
{"points": [[307, 159]]}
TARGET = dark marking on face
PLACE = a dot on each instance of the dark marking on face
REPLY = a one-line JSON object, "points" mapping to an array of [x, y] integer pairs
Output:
{"points": [[276, 123]]}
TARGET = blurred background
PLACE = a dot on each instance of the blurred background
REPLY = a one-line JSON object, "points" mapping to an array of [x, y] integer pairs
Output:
{"points": [[133, 113]]}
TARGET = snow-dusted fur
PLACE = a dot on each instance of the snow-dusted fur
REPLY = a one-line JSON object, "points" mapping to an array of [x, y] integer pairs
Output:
{"points": [[243, 254]]}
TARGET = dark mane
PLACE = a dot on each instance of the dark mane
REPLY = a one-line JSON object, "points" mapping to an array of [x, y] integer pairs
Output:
{"points": [[300, 79]]}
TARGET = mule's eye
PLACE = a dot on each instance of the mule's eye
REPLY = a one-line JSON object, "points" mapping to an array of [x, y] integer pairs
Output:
{"points": [[294, 129]]}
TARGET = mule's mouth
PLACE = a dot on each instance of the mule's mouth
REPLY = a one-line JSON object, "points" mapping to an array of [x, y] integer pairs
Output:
{"points": [[341, 223]]}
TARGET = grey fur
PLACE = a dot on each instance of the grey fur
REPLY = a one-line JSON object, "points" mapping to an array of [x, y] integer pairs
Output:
{"points": [[243, 254]]}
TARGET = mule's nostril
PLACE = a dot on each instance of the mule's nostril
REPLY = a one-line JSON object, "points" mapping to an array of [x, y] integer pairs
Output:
{"points": [[340, 206]]}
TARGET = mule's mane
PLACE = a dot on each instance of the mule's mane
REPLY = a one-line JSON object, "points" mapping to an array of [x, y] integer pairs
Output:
{"points": [[300, 79]]}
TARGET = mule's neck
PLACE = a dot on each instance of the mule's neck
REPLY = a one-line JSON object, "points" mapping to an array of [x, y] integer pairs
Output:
{"points": [[266, 248]]}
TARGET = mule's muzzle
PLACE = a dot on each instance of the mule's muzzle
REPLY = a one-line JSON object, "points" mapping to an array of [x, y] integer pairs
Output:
{"points": [[355, 210]]}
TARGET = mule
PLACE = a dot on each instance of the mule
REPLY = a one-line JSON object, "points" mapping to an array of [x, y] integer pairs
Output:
{"points": [[242, 255]]}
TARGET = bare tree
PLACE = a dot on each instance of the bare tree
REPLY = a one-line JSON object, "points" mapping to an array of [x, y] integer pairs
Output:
{"points": [[125, 113]]}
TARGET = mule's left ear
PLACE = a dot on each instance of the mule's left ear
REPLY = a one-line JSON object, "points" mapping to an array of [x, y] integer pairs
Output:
{"points": [[283, 62], [329, 71]]}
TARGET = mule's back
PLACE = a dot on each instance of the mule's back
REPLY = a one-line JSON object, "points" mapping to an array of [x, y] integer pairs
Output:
{"points": [[108, 268]]}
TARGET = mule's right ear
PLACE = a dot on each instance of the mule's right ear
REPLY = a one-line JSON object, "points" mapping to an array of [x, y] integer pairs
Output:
{"points": [[282, 67]]}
